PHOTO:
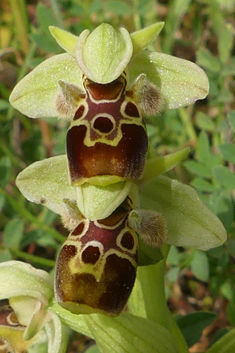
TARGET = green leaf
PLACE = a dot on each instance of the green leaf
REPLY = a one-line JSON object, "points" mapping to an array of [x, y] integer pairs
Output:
{"points": [[225, 344], [148, 255], [173, 256], [200, 266], [5, 170], [35, 94], [189, 221], [181, 82], [224, 208], [4, 105], [225, 44], [92, 349], [231, 310], [45, 17], [202, 185], [231, 246], [225, 177], [231, 118], [13, 233], [207, 60], [228, 152], [193, 324], [44, 42], [204, 122], [119, 8], [198, 168], [5, 255], [203, 151]]}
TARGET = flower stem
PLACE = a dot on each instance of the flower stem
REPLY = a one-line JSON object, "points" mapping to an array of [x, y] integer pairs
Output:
{"points": [[31, 258], [152, 280]]}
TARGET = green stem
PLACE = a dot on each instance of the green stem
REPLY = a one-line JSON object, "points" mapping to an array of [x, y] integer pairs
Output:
{"points": [[152, 280], [31, 218], [18, 9], [57, 14], [186, 119], [32, 258]]}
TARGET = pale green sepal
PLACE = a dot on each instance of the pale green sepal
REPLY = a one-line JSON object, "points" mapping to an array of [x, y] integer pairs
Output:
{"points": [[74, 321], [65, 39], [47, 182], [127, 333], [21, 279], [225, 344], [103, 54], [180, 81], [136, 303], [142, 38], [190, 223], [160, 165], [36, 93], [98, 202]]}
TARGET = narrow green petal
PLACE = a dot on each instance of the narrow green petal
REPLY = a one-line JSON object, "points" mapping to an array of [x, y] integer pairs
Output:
{"points": [[46, 182], [190, 223], [57, 338], [142, 38], [98, 202], [180, 81], [104, 53], [21, 279], [35, 94], [65, 39], [160, 165]]}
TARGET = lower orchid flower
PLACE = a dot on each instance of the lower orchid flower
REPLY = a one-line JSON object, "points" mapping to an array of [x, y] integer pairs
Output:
{"points": [[25, 317]]}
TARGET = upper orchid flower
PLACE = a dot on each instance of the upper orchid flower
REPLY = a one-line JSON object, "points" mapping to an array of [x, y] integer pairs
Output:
{"points": [[108, 83], [103, 56]]}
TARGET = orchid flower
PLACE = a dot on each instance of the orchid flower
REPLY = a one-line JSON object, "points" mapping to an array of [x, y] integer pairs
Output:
{"points": [[151, 211], [25, 318]]}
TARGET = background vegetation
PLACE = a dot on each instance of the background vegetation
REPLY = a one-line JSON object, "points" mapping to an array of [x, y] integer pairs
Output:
{"points": [[201, 31]]}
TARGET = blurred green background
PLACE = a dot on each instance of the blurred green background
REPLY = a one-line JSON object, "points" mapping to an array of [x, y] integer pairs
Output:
{"points": [[201, 31]]}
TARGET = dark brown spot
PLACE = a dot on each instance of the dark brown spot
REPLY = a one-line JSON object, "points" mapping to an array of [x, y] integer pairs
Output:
{"points": [[131, 110], [119, 276], [79, 112], [103, 124], [127, 241], [91, 255], [43, 200], [79, 229]]}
